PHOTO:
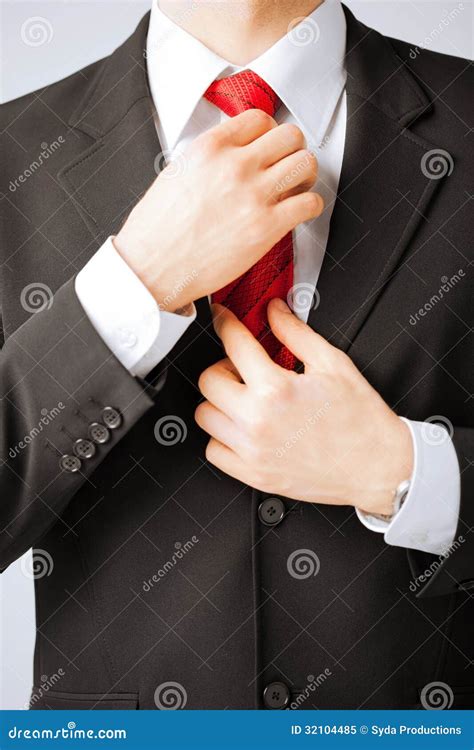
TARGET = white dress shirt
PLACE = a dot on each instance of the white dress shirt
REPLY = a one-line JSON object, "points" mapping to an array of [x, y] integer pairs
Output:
{"points": [[306, 70]]}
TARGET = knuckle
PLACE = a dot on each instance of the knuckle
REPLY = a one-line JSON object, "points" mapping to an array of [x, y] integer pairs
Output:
{"points": [[259, 117], [312, 203], [312, 163], [208, 143], [204, 380], [210, 451], [292, 135], [235, 170]]}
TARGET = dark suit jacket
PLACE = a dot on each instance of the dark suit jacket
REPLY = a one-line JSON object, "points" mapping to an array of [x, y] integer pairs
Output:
{"points": [[152, 566]]}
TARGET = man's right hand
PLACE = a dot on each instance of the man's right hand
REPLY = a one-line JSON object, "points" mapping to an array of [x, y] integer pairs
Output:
{"points": [[243, 185]]}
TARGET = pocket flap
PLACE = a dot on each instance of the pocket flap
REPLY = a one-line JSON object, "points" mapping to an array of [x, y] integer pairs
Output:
{"points": [[54, 700]]}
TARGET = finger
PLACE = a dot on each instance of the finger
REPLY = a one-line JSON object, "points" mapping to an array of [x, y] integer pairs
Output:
{"points": [[242, 348], [276, 144], [221, 386], [297, 170], [246, 127], [307, 345], [294, 210], [217, 424], [226, 460]]}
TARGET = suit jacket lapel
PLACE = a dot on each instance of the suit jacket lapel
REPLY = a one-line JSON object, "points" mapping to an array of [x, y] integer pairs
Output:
{"points": [[107, 179], [383, 192]]}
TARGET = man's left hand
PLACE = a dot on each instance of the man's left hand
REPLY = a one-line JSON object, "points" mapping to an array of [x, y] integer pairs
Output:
{"points": [[323, 436]]}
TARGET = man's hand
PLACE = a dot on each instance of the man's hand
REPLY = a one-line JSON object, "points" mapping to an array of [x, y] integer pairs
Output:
{"points": [[324, 436], [237, 190]]}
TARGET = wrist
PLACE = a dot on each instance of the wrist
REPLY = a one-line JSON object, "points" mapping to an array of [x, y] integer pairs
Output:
{"points": [[391, 473], [170, 297]]}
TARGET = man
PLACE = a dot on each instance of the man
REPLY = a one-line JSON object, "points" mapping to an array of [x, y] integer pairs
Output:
{"points": [[248, 506]]}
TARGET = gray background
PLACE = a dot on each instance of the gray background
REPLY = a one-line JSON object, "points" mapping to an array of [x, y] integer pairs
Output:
{"points": [[74, 33]]}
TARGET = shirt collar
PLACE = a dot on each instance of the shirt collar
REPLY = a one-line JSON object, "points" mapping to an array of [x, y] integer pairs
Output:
{"points": [[305, 68]]}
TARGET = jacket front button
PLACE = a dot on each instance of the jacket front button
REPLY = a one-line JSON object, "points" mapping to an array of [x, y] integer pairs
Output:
{"points": [[68, 463], [276, 695], [271, 511], [98, 432]]}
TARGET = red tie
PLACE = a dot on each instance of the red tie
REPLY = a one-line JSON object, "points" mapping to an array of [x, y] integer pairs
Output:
{"points": [[272, 276]]}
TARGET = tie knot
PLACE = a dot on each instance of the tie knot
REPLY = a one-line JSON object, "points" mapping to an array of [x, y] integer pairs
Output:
{"points": [[242, 91]]}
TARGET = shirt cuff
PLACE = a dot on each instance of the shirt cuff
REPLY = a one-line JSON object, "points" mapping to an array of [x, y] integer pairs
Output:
{"points": [[428, 519], [125, 314]]}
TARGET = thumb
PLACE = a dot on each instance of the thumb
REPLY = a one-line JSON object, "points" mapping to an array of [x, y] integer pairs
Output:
{"points": [[307, 345]]}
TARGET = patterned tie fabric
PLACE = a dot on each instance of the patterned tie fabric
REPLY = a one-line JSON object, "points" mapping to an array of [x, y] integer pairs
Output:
{"points": [[272, 276]]}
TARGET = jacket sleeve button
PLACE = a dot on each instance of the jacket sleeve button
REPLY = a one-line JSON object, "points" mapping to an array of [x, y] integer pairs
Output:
{"points": [[98, 433], [111, 417], [71, 464], [84, 448]]}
